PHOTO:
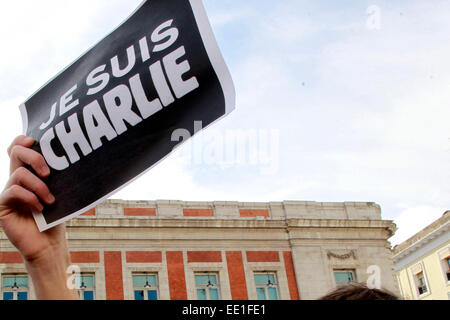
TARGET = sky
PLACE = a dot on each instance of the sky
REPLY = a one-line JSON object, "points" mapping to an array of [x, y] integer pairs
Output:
{"points": [[335, 101]]}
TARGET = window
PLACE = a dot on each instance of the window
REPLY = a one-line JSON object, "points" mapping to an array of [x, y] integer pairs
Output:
{"points": [[446, 264], [444, 259], [85, 284], [344, 276], [207, 286], [421, 283], [266, 286], [15, 287], [145, 286]]}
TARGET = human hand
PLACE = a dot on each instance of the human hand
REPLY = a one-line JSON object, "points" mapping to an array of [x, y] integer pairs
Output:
{"points": [[45, 253], [24, 193]]}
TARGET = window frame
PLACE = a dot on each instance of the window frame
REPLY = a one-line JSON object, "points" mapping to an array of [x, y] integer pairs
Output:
{"points": [[145, 290], [446, 269], [266, 286], [15, 292], [418, 284], [81, 291], [348, 270], [444, 259], [216, 286]]}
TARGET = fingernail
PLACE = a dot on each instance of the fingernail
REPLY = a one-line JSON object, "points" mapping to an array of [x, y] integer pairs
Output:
{"points": [[40, 207], [29, 140], [45, 171], [50, 198]]}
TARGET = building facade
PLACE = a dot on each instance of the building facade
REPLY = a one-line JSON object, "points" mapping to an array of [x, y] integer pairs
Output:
{"points": [[422, 263], [148, 250]]}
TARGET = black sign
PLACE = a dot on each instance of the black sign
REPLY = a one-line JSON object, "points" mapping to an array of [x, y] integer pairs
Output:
{"points": [[110, 116]]}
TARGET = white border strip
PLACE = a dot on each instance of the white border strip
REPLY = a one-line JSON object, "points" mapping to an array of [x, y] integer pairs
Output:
{"points": [[24, 114], [225, 80], [214, 54]]}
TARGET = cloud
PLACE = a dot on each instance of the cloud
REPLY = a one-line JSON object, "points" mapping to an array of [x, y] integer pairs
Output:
{"points": [[412, 220], [43, 37], [169, 180], [11, 126], [362, 114]]}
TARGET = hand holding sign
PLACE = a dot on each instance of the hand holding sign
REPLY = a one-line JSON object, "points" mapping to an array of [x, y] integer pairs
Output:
{"points": [[109, 117], [45, 253], [24, 192]]}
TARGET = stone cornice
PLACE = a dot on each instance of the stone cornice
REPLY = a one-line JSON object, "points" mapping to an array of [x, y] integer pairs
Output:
{"points": [[155, 222], [291, 232], [174, 223], [288, 220], [422, 237], [334, 223], [416, 247]]}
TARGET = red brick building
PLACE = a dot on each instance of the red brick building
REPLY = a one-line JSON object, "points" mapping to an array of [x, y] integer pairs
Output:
{"points": [[216, 250]]}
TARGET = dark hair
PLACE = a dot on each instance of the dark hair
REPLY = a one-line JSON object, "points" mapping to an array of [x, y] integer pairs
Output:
{"points": [[358, 291]]}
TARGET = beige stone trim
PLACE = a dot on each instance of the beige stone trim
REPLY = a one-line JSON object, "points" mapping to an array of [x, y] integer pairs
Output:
{"points": [[416, 269], [444, 253]]}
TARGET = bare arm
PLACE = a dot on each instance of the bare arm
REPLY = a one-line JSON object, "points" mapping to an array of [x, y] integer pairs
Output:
{"points": [[46, 254]]}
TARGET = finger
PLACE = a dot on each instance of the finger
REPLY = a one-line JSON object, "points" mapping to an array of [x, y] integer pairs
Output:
{"points": [[23, 177], [21, 156], [19, 196], [21, 141]]}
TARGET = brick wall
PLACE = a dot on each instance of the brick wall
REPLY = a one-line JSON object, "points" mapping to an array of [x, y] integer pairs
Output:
{"points": [[236, 275], [177, 279], [176, 269], [113, 275]]}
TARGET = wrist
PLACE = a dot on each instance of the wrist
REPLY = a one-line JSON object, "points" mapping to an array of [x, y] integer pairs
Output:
{"points": [[48, 272], [51, 256]]}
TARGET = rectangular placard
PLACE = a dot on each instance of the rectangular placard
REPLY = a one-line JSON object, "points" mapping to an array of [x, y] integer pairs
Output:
{"points": [[110, 116]]}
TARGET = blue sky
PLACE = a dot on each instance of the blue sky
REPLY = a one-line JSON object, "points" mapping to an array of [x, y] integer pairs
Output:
{"points": [[354, 108]]}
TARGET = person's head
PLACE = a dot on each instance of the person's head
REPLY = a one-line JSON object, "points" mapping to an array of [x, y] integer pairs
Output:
{"points": [[358, 291]]}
